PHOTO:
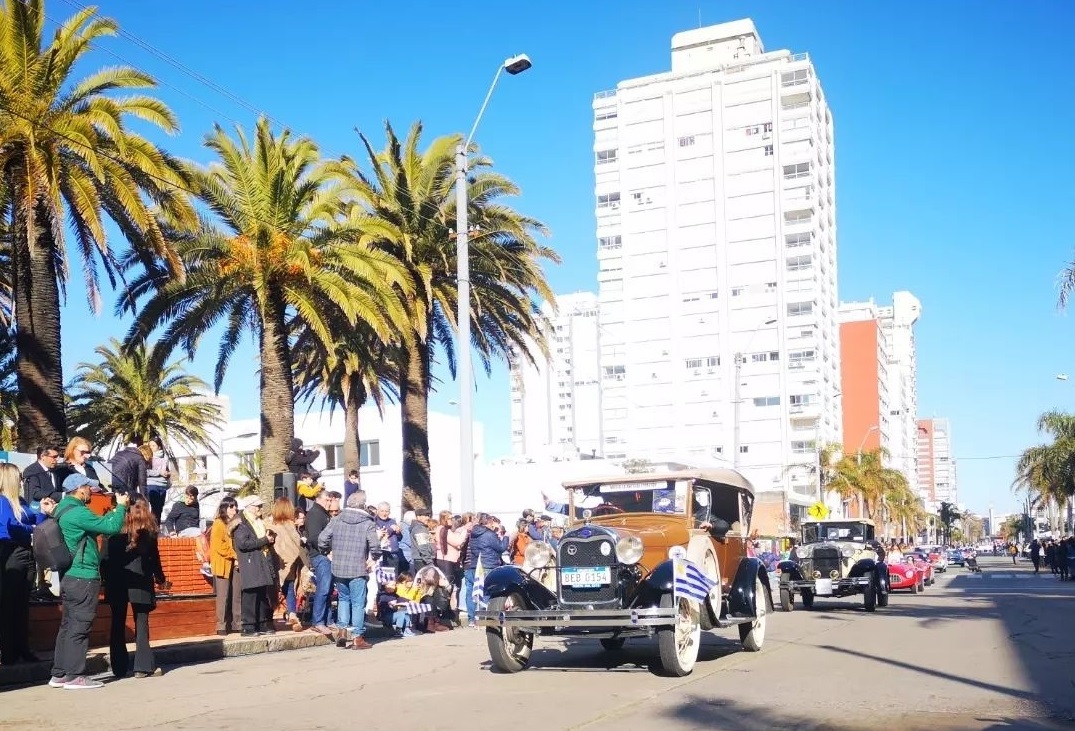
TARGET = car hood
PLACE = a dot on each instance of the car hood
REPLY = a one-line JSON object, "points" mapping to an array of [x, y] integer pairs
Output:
{"points": [[657, 532]]}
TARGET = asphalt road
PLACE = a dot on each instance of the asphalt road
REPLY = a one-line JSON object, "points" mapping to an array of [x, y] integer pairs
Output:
{"points": [[995, 651]]}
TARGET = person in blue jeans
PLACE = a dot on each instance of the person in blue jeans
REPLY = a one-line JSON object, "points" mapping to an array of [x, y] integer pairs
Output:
{"points": [[351, 537], [317, 520], [486, 546]]}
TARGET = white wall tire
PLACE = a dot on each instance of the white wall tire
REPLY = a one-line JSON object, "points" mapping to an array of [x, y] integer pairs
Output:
{"points": [[752, 634], [679, 644]]}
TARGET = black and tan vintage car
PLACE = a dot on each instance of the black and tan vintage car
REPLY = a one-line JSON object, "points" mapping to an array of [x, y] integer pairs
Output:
{"points": [[612, 574], [837, 558]]}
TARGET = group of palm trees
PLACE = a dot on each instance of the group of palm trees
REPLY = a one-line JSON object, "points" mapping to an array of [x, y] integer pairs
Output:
{"points": [[1046, 472], [342, 273]]}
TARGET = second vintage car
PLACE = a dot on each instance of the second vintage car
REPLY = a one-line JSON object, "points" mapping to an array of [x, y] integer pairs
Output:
{"points": [[624, 570], [837, 558]]}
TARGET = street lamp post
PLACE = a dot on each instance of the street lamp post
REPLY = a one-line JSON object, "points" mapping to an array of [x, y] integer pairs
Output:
{"points": [[737, 403], [514, 65], [226, 439], [862, 444]]}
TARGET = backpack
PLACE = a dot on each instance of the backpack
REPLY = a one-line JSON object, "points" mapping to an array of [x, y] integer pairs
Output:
{"points": [[49, 545]]}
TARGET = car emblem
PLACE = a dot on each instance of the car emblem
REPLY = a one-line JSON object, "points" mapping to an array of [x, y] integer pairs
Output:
{"points": [[572, 550]]}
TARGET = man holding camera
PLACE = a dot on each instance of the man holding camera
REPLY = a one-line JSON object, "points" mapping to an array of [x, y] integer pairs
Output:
{"points": [[81, 584]]}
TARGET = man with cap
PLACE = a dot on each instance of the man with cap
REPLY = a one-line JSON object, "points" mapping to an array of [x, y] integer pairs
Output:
{"points": [[81, 584]]}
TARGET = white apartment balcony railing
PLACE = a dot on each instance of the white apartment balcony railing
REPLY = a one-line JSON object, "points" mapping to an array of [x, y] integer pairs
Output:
{"points": [[608, 93]]}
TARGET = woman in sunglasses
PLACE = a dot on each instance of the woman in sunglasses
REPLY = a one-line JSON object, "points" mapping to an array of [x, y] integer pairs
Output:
{"points": [[76, 460]]}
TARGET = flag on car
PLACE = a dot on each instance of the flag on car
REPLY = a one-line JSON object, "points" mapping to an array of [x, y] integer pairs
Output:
{"points": [[689, 581]]}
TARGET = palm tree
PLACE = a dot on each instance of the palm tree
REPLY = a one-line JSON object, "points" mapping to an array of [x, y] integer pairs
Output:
{"points": [[129, 395], [9, 391], [1046, 472], [356, 368], [862, 477], [249, 479], [276, 249], [408, 212], [69, 161], [948, 514]]}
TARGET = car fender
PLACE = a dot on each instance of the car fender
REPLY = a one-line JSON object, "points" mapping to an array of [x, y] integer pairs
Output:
{"points": [[697, 548], [656, 584], [743, 597], [507, 580], [790, 569], [866, 566], [862, 567]]}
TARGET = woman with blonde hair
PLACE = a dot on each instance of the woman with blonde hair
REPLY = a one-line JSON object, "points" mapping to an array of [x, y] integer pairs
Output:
{"points": [[76, 459], [290, 554], [16, 565]]}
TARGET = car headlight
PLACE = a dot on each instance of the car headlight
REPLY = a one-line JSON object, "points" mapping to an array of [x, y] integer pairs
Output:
{"points": [[629, 550], [677, 552], [538, 554], [847, 552], [908, 573]]}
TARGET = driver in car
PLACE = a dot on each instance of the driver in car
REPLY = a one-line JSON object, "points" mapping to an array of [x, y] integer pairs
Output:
{"points": [[718, 527]]}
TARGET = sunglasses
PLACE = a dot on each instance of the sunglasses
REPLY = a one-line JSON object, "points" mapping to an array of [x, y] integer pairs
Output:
{"points": [[85, 451]]}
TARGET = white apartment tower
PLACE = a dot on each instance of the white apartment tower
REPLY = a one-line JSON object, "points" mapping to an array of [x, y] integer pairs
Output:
{"points": [[556, 404], [936, 465], [716, 226], [898, 323]]}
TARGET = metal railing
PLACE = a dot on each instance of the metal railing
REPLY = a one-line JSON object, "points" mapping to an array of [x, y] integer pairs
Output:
{"points": [[605, 94]]}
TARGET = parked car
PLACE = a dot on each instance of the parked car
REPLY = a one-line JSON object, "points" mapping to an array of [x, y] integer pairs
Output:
{"points": [[955, 557], [837, 558], [613, 575]]}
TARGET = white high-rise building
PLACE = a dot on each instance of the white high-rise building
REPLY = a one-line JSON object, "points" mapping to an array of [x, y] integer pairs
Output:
{"points": [[556, 404], [936, 465], [716, 226], [898, 323]]}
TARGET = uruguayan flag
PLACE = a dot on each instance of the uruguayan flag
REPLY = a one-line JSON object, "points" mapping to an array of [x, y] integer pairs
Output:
{"points": [[385, 574], [414, 607], [689, 581]]}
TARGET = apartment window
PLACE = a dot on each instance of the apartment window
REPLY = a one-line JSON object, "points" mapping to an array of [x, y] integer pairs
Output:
{"points": [[712, 295], [606, 114], [736, 291], [799, 358], [611, 200], [801, 239], [803, 447], [770, 286], [768, 150], [693, 363], [800, 308], [606, 156], [774, 355], [759, 357], [712, 361], [686, 141], [608, 243], [799, 263], [744, 449], [794, 78], [718, 450], [799, 170], [615, 372], [767, 401], [802, 399], [369, 453], [795, 217]]}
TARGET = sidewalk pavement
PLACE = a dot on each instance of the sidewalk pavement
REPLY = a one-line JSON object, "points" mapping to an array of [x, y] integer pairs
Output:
{"points": [[181, 651]]}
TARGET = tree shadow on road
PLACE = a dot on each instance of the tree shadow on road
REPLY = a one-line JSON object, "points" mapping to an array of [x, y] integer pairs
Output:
{"points": [[697, 712]]}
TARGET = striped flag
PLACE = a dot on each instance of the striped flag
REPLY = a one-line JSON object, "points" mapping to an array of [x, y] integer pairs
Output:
{"points": [[385, 574], [479, 587], [689, 581], [414, 607]]}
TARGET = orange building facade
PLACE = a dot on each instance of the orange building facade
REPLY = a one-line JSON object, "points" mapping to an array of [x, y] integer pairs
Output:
{"points": [[862, 385]]}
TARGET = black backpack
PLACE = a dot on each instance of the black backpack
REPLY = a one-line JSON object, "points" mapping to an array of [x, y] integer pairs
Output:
{"points": [[49, 545]]}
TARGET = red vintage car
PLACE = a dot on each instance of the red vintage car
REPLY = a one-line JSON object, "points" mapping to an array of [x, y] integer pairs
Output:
{"points": [[905, 575], [921, 561]]}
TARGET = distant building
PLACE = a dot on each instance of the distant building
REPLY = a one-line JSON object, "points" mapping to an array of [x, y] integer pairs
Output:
{"points": [[556, 403], [936, 465]]}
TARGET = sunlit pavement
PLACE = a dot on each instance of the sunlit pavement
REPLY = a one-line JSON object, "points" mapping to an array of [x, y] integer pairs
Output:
{"points": [[995, 651]]}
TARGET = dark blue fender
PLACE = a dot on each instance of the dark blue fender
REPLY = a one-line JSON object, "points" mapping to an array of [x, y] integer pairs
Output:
{"points": [[743, 597], [511, 580], [791, 569], [867, 566], [653, 587]]}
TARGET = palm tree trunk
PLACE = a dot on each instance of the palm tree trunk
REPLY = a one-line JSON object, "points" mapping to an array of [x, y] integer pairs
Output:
{"points": [[277, 392], [351, 438], [41, 420], [414, 396]]}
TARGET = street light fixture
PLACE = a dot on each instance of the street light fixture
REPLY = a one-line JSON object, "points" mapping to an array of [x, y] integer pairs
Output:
{"points": [[736, 406], [247, 435], [862, 444], [514, 66]]}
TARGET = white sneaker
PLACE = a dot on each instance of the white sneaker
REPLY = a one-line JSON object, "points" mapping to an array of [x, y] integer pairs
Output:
{"points": [[81, 682], [57, 682]]}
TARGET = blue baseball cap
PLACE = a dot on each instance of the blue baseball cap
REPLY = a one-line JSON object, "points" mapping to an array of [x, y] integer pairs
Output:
{"points": [[77, 480]]}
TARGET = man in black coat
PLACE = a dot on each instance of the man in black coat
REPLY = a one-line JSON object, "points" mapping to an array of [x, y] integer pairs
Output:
{"points": [[39, 479], [129, 470]]}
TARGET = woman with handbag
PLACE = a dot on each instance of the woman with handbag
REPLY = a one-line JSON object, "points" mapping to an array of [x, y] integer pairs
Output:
{"points": [[291, 557]]}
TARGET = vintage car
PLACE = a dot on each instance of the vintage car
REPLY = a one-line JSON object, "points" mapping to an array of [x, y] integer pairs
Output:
{"points": [[920, 560], [837, 558], [956, 557], [938, 558], [905, 575], [613, 575]]}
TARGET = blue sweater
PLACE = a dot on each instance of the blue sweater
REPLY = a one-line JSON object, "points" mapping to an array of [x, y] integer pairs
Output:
{"points": [[13, 529]]}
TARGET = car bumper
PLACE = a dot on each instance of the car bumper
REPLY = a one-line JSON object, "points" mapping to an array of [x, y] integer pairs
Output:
{"points": [[578, 618], [837, 584]]}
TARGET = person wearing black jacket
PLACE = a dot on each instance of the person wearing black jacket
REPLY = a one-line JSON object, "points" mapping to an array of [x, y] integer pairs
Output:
{"points": [[40, 479], [129, 470], [185, 514], [131, 566], [317, 519], [257, 573]]}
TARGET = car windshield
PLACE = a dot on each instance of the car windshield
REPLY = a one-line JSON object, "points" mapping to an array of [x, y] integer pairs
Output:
{"points": [[668, 496], [837, 531]]}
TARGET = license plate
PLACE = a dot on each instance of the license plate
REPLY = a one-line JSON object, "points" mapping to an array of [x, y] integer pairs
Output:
{"points": [[586, 578], [823, 587]]}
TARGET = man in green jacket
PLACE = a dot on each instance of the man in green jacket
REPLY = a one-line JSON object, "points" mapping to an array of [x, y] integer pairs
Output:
{"points": [[81, 584]]}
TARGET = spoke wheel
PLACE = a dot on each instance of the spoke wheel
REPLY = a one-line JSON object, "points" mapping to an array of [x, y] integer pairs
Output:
{"points": [[679, 643], [509, 649]]}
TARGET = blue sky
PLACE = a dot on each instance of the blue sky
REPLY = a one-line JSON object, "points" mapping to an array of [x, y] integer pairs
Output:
{"points": [[952, 123]]}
